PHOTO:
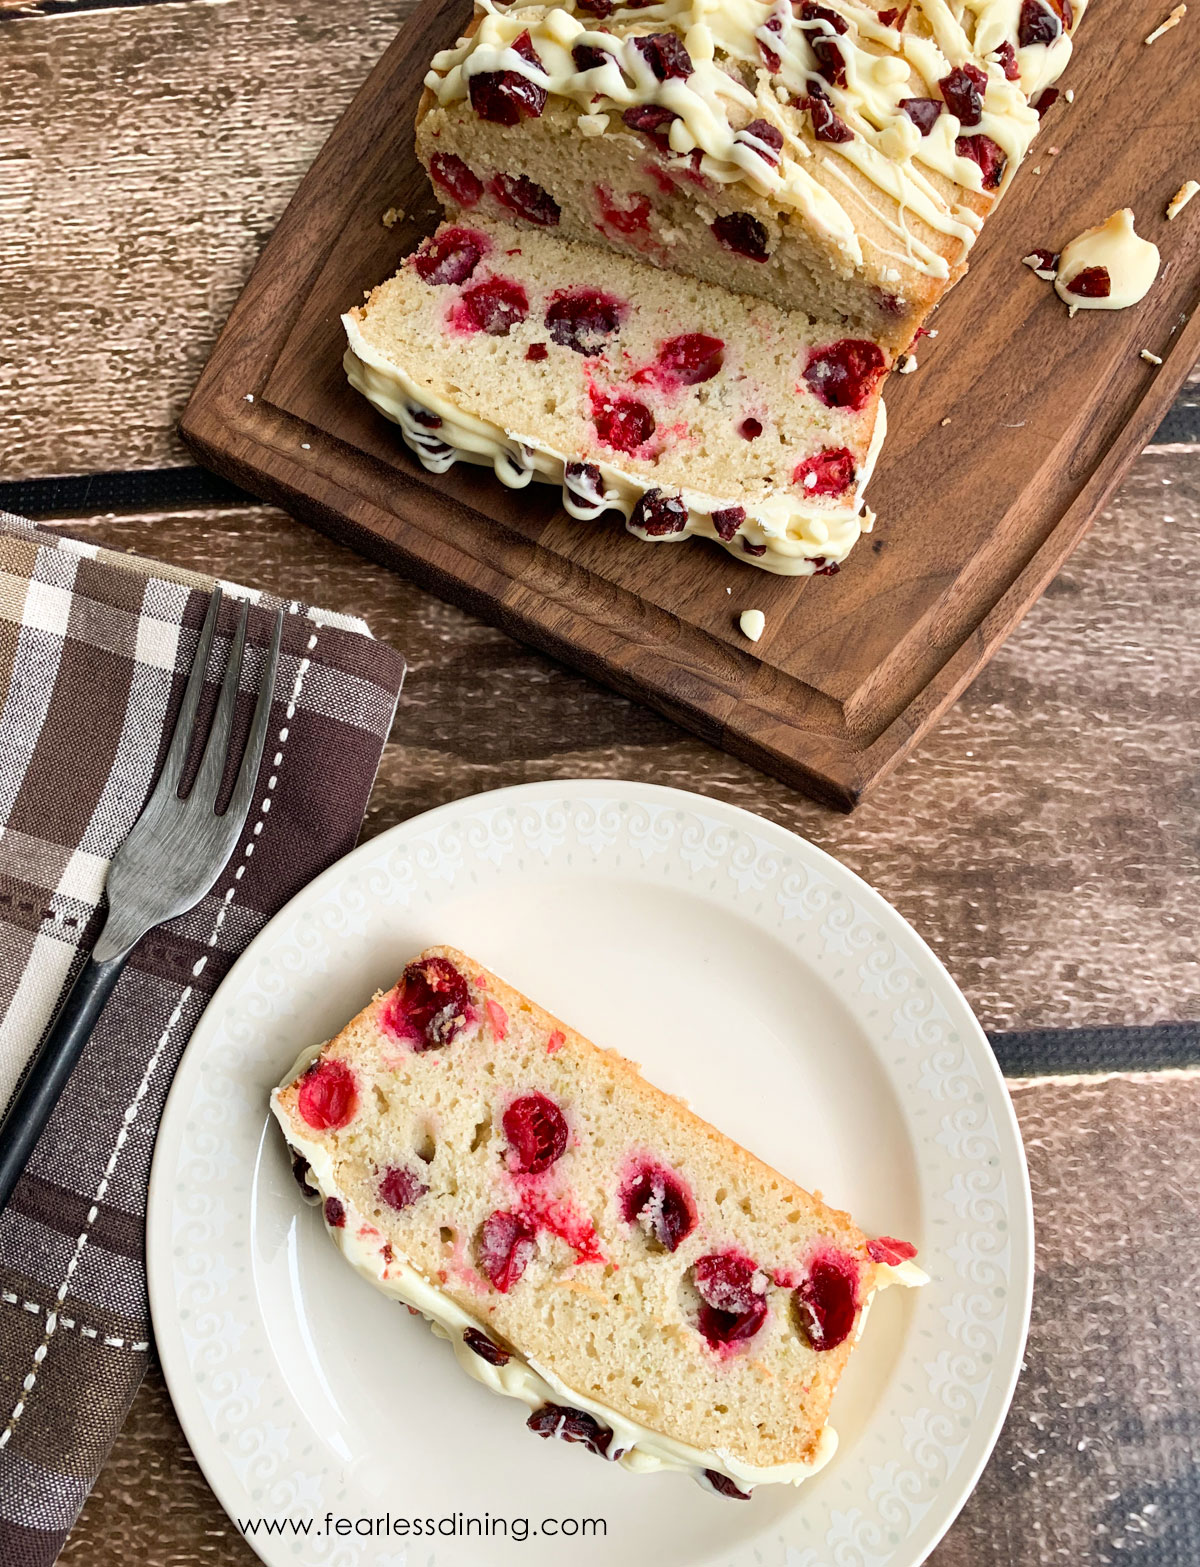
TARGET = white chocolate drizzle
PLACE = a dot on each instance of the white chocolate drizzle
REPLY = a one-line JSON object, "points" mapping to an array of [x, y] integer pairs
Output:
{"points": [[1130, 261]]}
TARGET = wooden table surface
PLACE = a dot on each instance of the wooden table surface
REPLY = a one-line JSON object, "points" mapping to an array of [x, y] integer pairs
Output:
{"points": [[1044, 838]]}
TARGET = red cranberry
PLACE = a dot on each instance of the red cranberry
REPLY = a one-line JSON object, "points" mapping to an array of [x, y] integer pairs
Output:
{"points": [[923, 112], [1006, 58], [621, 422], [335, 1213], [586, 483], [769, 135], [537, 351], [571, 1425], [327, 1098], [506, 1245], [1045, 101], [1038, 24], [824, 568], [665, 54], [733, 1290], [690, 359], [505, 97], [827, 126], [494, 306], [742, 234], [449, 257], [827, 1301], [520, 194], [730, 518], [583, 319], [831, 63], [885, 1249], [596, 8], [301, 1170], [449, 171], [1091, 283], [811, 12], [658, 1200], [992, 160], [724, 1486], [633, 219], [652, 120], [753, 549], [659, 514], [828, 472], [888, 18], [431, 421], [844, 374], [485, 1348], [588, 58], [429, 1006], [400, 1188], [773, 24], [750, 429], [537, 1134], [1042, 260], [963, 90]]}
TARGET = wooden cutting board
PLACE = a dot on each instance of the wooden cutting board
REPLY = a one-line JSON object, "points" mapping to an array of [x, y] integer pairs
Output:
{"points": [[1003, 446]]}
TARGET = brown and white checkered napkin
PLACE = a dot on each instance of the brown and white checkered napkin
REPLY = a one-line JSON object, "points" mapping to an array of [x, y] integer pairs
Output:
{"points": [[94, 653]]}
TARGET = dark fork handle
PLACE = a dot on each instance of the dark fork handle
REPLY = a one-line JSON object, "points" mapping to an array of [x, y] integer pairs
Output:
{"points": [[38, 1094]]}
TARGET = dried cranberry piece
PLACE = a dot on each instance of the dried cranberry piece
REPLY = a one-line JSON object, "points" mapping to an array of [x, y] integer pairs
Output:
{"points": [[828, 472], [753, 549], [844, 374], [583, 319], [527, 199], [963, 90], [494, 306], [827, 1301], [623, 423], [1006, 59], [888, 18], [823, 567], [691, 358], [742, 234], [335, 1213], [770, 136], [750, 429], [485, 1348], [827, 125], [537, 1134], [724, 1486], [301, 1170], [537, 351], [652, 120], [327, 1097], [506, 97], [429, 1006], [586, 481], [811, 12], [665, 54], [1091, 283], [1045, 100], [659, 514], [992, 160], [771, 60], [506, 1246], [1038, 24], [888, 1250], [400, 1188], [1042, 260], [831, 63], [455, 177], [657, 1199], [730, 518], [571, 1425], [431, 421], [923, 112], [449, 257], [733, 1290], [588, 58], [597, 8]]}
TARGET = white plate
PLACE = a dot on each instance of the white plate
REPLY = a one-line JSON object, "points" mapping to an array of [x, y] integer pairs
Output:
{"points": [[747, 971]]}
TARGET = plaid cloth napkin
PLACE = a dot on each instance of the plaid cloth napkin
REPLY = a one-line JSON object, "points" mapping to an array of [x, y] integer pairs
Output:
{"points": [[94, 653]]}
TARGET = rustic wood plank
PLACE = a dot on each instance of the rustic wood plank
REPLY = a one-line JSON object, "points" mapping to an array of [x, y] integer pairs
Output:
{"points": [[1099, 1445], [147, 154], [1042, 838]]}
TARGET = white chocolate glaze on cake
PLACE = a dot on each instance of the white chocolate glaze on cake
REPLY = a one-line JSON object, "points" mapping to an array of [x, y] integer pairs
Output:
{"points": [[1131, 264]]}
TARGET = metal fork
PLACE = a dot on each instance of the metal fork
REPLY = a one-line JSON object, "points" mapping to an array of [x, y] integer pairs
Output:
{"points": [[175, 851]]}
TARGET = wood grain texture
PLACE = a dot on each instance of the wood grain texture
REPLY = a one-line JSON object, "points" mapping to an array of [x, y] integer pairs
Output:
{"points": [[977, 515], [147, 154], [1043, 838], [1096, 1462]]}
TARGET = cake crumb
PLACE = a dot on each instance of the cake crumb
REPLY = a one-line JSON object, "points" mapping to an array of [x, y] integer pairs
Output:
{"points": [[1176, 16], [945, 421], [906, 364], [1037, 168], [1151, 359], [305, 447], [391, 217], [752, 623], [1181, 198]]}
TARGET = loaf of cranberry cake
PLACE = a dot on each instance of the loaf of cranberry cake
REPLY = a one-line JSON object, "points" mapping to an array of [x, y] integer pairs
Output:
{"points": [[687, 408], [829, 157], [586, 1243]]}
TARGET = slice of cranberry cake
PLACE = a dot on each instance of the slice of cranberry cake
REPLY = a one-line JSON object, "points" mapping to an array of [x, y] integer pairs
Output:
{"points": [[588, 1244], [688, 409]]}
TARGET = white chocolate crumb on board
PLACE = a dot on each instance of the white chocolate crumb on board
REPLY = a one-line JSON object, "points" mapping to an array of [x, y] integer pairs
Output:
{"points": [[1181, 198], [945, 421], [391, 217], [1037, 265], [752, 623], [1151, 359], [249, 397], [1069, 95], [1176, 16], [906, 364], [1112, 255]]}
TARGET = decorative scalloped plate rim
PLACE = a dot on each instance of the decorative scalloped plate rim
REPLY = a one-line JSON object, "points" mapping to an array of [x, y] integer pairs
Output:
{"points": [[761, 933]]}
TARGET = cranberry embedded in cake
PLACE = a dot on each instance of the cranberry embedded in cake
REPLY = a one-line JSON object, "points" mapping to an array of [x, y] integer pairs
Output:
{"points": [[733, 1292], [450, 256], [494, 307], [827, 1300], [622, 422], [844, 374], [828, 472], [453, 175], [657, 1199], [506, 1245], [689, 359], [526, 199], [583, 319], [328, 1096], [537, 1134], [400, 1187], [743, 234], [429, 1006]]}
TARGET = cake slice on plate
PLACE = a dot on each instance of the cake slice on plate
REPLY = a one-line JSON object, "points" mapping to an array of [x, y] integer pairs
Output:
{"points": [[689, 409], [586, 1243]]}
